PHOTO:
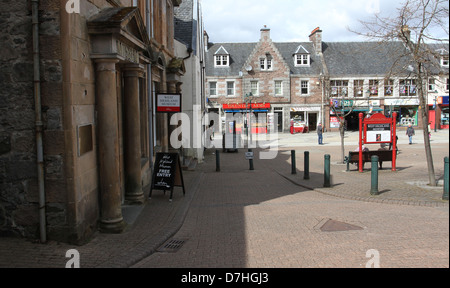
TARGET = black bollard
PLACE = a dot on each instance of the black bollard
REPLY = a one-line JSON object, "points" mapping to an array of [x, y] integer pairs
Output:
{"points": [[327, 182], [374, 182], [217, 161], [446, 176], [306, 168], [294, 164], [251, 160]]}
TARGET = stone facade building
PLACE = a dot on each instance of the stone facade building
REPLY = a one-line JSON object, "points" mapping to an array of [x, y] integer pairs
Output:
{"points": [[310, 82], [77, 128]]}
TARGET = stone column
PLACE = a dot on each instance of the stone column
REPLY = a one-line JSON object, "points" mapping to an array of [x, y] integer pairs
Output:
{"points": [[111, 220], [132, 128]]}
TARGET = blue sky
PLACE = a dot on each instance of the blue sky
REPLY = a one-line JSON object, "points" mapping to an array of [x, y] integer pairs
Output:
{"points": [[289, 20]]}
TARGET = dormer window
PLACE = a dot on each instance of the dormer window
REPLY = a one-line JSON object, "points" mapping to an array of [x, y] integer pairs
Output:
{"points": [[444, 61], [302, 57], [222, 58]]}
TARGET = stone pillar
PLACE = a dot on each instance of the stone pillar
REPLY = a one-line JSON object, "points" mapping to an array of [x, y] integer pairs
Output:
{"points": [[111, 220], [132, 129]]}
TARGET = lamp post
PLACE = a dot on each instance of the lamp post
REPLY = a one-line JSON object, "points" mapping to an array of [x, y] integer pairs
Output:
{"points": [[248, 100]]}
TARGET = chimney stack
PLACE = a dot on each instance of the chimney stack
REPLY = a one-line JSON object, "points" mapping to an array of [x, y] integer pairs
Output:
{"points": [[265, 33], [316, 39]]}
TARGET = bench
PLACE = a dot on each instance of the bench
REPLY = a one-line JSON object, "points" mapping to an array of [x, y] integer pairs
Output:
{"points": [[383, 156]]}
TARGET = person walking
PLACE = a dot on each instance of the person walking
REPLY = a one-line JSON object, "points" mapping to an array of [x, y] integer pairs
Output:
{"points": [[320, 133], [410, 132]]}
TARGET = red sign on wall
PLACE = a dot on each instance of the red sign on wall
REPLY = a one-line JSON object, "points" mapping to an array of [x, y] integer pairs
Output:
{"points": [[168, 103], [243, 106]]}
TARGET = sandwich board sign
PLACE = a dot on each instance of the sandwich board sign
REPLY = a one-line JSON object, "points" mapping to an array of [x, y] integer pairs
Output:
{"points": [[167, 173]]}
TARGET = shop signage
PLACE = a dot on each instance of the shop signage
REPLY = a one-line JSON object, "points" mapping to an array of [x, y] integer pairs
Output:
{"points": [[168, 103], [167, 173], [401, 102], [243, 106]]}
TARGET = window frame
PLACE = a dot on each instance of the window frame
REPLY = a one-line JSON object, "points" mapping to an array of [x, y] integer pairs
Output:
{"points": [[254, 90], [304, 59], [280, 88], [220, 59], [302, 87], [228, 89], [213, 89]]}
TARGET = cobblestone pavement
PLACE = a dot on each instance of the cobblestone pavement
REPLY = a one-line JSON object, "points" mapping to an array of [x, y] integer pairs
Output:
{"points": [[270, 218]]}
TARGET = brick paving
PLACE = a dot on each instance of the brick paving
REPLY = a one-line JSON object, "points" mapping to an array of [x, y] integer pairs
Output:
{"points": [[269, 218]]}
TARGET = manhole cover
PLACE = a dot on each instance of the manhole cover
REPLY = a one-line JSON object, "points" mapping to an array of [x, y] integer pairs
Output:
{"points": [[336, 226], [172, 246]]}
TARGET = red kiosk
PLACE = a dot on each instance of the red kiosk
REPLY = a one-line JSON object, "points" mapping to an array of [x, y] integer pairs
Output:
{"points": [[378, 129]]}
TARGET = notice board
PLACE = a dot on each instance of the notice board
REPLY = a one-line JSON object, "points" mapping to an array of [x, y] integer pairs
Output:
{"points": [[167, 173]]}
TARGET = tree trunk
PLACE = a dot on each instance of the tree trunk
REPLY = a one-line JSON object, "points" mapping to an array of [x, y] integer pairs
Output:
{"points": [[342, 132]]}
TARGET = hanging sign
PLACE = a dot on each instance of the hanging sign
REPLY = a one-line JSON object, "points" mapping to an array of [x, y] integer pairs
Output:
{"points": [[168, 103]]}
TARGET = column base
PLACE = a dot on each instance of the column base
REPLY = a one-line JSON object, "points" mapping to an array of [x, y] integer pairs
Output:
{"points": [[136, 198], [112, 226]]}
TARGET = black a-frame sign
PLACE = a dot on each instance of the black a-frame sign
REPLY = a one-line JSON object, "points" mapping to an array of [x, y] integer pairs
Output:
{"points": [[167, 173]]}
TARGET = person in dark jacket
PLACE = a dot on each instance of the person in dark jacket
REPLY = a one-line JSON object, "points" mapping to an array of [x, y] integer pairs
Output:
{"points": [[410, 132], [320, 133]]}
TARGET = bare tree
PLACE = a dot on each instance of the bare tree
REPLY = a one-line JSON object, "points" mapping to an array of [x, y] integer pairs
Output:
{"points": [[417, 24], [341, 114]]}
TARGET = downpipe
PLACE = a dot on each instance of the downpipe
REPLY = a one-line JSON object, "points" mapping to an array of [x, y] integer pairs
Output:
{"points": [[38, 120]]}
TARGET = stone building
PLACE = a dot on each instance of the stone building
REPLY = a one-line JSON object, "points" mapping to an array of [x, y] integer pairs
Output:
{"points": [[312, 81], [77, 127], [280, 79]]}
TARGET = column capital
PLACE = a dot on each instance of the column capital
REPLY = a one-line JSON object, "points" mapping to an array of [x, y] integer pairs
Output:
{"points": [[133, 70], [106, 64]]}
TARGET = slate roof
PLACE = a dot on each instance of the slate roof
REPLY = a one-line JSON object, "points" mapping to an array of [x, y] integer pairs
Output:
{"points": [[364, 58], [288, 50], [239, 53], [343, 59], [184, 22]]}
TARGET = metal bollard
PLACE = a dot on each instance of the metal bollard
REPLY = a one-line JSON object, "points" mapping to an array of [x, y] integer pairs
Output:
{"points": [[446, 178], [306, 168], [374, 182], [217, 161], [327, 182], [293, 161]]}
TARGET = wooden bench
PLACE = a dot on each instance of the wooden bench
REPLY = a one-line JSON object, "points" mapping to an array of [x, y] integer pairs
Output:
{"points": [[383, 156]]}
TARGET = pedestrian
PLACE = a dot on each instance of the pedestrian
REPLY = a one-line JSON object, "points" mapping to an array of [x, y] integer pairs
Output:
{"points": [[410, 132], [429, 130], [320, 133]]}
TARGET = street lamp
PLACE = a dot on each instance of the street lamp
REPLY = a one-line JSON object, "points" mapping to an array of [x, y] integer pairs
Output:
{"points": [[248, 100]]}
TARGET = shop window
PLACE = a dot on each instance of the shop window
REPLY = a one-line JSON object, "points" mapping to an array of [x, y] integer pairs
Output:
{"points": [[408, 87], [339, 88], [358, 88], [445, 116], [432, 85], [389, 87], [373, 88]]}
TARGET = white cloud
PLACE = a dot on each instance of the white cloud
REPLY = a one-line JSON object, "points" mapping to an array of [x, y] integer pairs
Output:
{"points": [[289, 20]]}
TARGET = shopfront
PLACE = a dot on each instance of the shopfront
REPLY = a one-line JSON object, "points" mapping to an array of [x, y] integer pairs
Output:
{"points": [[439, 113], [248, 118], [407, 111]]}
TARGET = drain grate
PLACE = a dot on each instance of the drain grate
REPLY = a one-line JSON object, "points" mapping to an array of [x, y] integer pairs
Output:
{"points": [[337, 226], [171, 246]]}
